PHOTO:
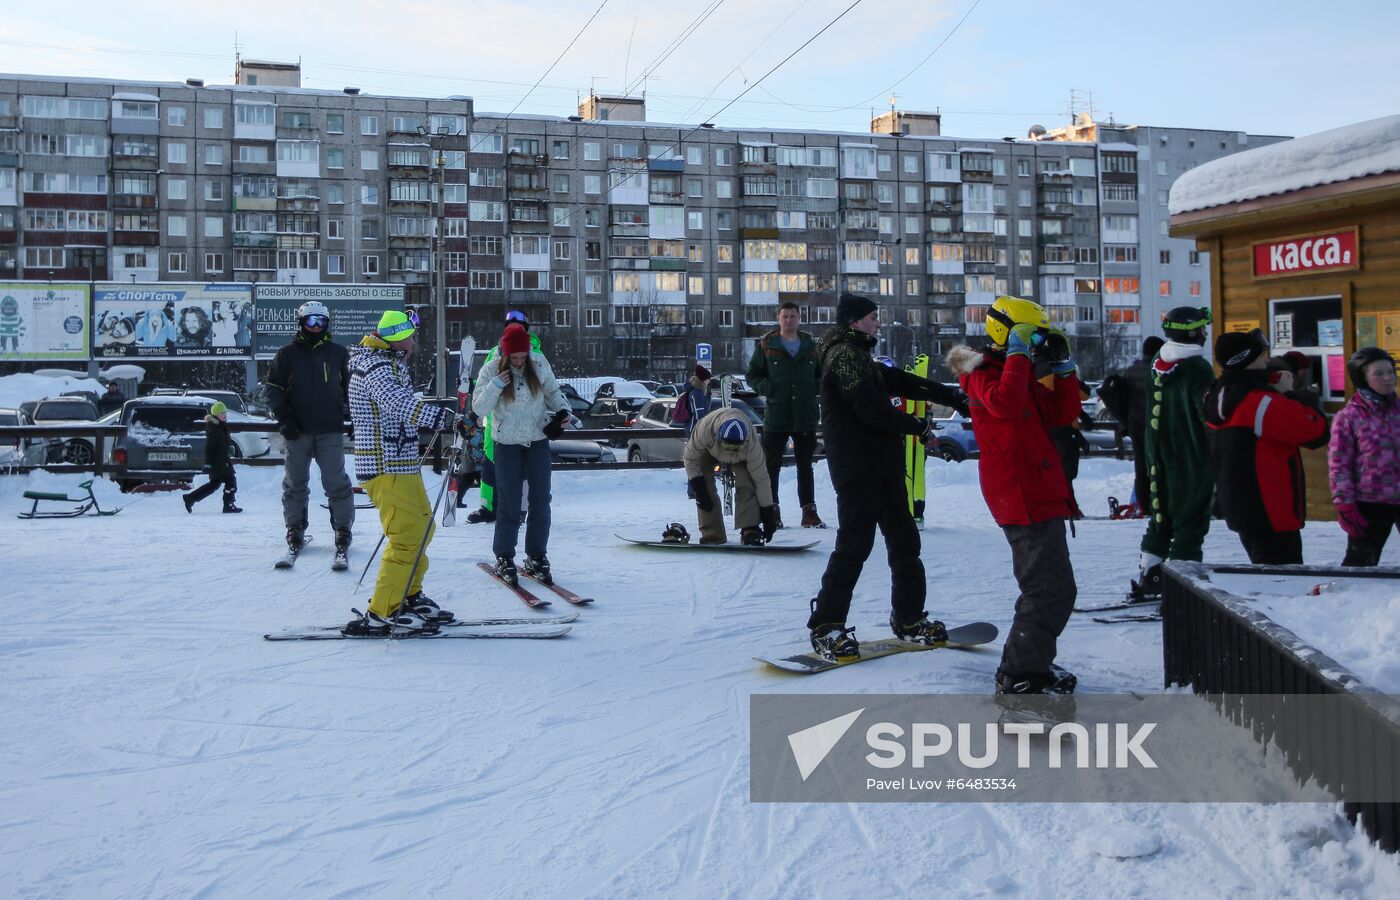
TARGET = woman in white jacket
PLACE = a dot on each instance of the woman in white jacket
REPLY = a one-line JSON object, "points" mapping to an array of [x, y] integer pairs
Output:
{"points": [[519, 392]]}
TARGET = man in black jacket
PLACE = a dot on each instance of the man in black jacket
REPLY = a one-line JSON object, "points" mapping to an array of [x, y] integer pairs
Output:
{"points": [[864, 437], [306, 390]]}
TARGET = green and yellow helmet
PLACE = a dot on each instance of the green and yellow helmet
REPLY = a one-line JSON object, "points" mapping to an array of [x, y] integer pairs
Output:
{"points": [[1008, 312]]}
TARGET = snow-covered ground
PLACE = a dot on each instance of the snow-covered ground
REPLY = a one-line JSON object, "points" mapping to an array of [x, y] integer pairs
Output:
{"points": [[155, 745]]}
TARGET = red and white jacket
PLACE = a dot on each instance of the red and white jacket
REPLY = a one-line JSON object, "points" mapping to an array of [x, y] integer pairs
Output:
{"points": [[1256, 433]]}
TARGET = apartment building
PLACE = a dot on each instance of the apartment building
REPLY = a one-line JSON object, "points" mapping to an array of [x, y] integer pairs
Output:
{"points": [[625, 241]]}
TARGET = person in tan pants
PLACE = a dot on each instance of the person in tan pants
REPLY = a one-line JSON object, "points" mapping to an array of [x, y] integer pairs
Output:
{"points": [[725, 437]]}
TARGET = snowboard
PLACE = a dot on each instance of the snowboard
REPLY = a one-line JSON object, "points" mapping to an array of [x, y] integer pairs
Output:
{"points": [[732, 546], [914, 448], [457, 465], [969, 635], [335, 634], [1126, 604], [1145, 617]]}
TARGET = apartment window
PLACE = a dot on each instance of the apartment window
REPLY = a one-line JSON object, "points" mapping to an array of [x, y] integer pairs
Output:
{"points": [[369, 229], [214, 190], [911, 287], [175, 226], [1086, 255], [1195, 289], [724, 285], [592, 151], [487, 280], [724, 220], [593, 284], [369, 159], [1123, 163], [369, 125], [911, 225], [562, 284], [1193, 257], [1164, 288], [695, 285], [335, 123], [213, 119], [561, 214], [724, 188], [335, 194], [593, 318], [593, 250], [335, 158], [213, 226], [1125, 193], [371, 264], [528, 280], [726, 318], [1161, 167], [174, 116], [176, 263], [213, 154], [213, 263], [695, 221], [724, 156], [561, 184], [883, 162], [252, 153], [911, 163], [1164, 257], [177, 189], [369, 195], [335, 264], [333, 230]]}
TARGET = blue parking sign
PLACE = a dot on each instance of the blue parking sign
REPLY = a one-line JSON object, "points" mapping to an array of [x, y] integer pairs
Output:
{"points": [[703, 354]]}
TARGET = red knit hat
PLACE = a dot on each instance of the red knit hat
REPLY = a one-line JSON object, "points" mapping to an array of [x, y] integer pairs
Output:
{"points": [[515, 340]]}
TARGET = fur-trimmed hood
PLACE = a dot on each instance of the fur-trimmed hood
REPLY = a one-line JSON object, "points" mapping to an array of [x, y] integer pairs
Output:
{"points": [[963, 360]]}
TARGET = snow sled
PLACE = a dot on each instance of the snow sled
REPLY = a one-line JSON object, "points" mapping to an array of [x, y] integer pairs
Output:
{"points": [[84, 504]]}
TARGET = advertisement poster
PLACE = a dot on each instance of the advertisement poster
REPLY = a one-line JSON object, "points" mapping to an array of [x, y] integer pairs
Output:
{"points": [[40, 320], [172, 321], [355, 310]]}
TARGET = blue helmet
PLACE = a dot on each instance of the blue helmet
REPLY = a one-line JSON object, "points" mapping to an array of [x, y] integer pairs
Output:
{"points": [[885, 361], [516, 315], [733, 432]]}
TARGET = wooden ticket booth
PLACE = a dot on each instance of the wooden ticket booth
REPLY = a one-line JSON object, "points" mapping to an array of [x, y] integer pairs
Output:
{"points": [[1304, 243]]}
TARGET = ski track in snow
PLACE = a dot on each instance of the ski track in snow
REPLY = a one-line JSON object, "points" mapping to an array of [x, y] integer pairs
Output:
{"points": [[157, 746]]}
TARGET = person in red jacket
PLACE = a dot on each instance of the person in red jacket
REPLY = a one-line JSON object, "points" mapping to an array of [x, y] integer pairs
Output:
{"points": [[1022, 480], [1256, 432]]}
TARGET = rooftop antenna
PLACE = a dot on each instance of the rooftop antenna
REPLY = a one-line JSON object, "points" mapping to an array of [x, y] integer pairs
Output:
{"points": [[592, 79]]}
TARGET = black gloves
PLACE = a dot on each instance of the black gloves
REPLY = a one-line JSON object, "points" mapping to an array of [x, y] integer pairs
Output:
{"points": [[700, 487], [555, 427], [961, 406], [289, 430], [768, 519]]}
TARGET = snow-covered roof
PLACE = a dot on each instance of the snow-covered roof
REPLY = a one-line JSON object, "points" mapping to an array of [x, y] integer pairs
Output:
{"points": [[133, 95], [1118, 147], [1328, 157]]}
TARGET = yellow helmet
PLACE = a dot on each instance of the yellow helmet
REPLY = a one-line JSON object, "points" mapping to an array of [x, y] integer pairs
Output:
{"points": [[1008, 312]]}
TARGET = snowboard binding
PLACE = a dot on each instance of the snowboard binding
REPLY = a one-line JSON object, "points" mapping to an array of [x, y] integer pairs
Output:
{"points": [[1118, 510], [675, 533]]}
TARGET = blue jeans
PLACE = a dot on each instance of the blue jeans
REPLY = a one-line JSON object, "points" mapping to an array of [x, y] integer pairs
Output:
{"points": [[516, 464]]}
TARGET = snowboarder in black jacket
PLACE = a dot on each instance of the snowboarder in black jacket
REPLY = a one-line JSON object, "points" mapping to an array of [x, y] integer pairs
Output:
{"points": [[864, 437], [216, 455], [307, 392]]}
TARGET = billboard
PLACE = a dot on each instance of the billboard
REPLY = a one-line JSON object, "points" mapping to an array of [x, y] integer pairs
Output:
{"points": [[172, 321], [355, 310], [41, 320]]}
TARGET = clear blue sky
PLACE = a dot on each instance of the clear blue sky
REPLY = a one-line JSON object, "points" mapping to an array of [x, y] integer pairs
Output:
{"points": [[1266, 67]]}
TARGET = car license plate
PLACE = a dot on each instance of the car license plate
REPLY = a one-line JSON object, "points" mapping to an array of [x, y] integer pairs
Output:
{"points": [[166, 457]]}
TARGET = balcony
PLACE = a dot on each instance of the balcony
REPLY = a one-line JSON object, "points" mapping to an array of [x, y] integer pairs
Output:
{"points": [[667, 264], [133, 201], [136, 238], [667, 165], [262, 239], [9, 160], [671, 198], [517, 160]]}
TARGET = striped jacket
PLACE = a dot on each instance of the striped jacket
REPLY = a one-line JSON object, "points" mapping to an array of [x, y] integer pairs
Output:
{"points": [[385, 411]]}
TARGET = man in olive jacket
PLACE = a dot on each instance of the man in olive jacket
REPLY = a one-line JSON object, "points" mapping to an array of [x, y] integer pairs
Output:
{"points": [[784, 369]]}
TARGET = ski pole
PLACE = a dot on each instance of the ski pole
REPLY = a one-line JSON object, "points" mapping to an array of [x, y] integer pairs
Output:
{"points": [[432, 517], [421, 461]]}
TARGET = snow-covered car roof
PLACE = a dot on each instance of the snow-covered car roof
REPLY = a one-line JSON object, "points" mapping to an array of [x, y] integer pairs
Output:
{"points": [[1328, 157]]}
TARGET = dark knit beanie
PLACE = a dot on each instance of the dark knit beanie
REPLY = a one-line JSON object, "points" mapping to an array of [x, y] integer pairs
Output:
{"points": [[701, 372], [1235, 350], [852, 308]]}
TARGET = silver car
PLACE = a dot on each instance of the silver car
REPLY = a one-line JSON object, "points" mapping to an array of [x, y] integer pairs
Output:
{"points": [[164, 440], [657, 414]]}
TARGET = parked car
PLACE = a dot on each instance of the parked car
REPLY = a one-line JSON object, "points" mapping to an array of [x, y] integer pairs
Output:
{"points": [[955, 441], [65, 410], [632, 390], [20, 451], [164, 439], [673, 389], [657, 414], [232, 399], [613, 412], [566, 451]]}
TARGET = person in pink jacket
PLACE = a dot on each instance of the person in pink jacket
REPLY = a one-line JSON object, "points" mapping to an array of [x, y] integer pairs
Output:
{"points": [[1364, 459]]}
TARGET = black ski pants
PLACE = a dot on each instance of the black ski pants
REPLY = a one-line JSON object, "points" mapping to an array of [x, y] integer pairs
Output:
{"points": [[227, 481], [1380, 519], [861, 507], [1274, 548], [804, 445], [1040, 562]]}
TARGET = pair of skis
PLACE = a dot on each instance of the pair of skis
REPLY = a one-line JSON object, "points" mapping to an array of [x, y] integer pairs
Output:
{"points": [[457, 462], [1152, 611], [340, 563], [531, 599]]}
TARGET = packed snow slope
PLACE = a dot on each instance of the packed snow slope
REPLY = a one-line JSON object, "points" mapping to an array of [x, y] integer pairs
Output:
{"points": [[156, 745]]}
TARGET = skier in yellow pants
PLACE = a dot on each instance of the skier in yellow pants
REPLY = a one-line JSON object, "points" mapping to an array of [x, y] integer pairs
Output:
{"points": [[387, 417]]}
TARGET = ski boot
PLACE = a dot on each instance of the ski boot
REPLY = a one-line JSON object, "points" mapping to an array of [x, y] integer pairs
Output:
{"points": [[482, 515], [675, 533], [1148, 587], [537, 567], [343, 537], [400, 624], [835, 642], [231, 507], [426, 607], [810, 519], [925, 631], [751, 536], [295, 540], [189, 503], [505, 570]]}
